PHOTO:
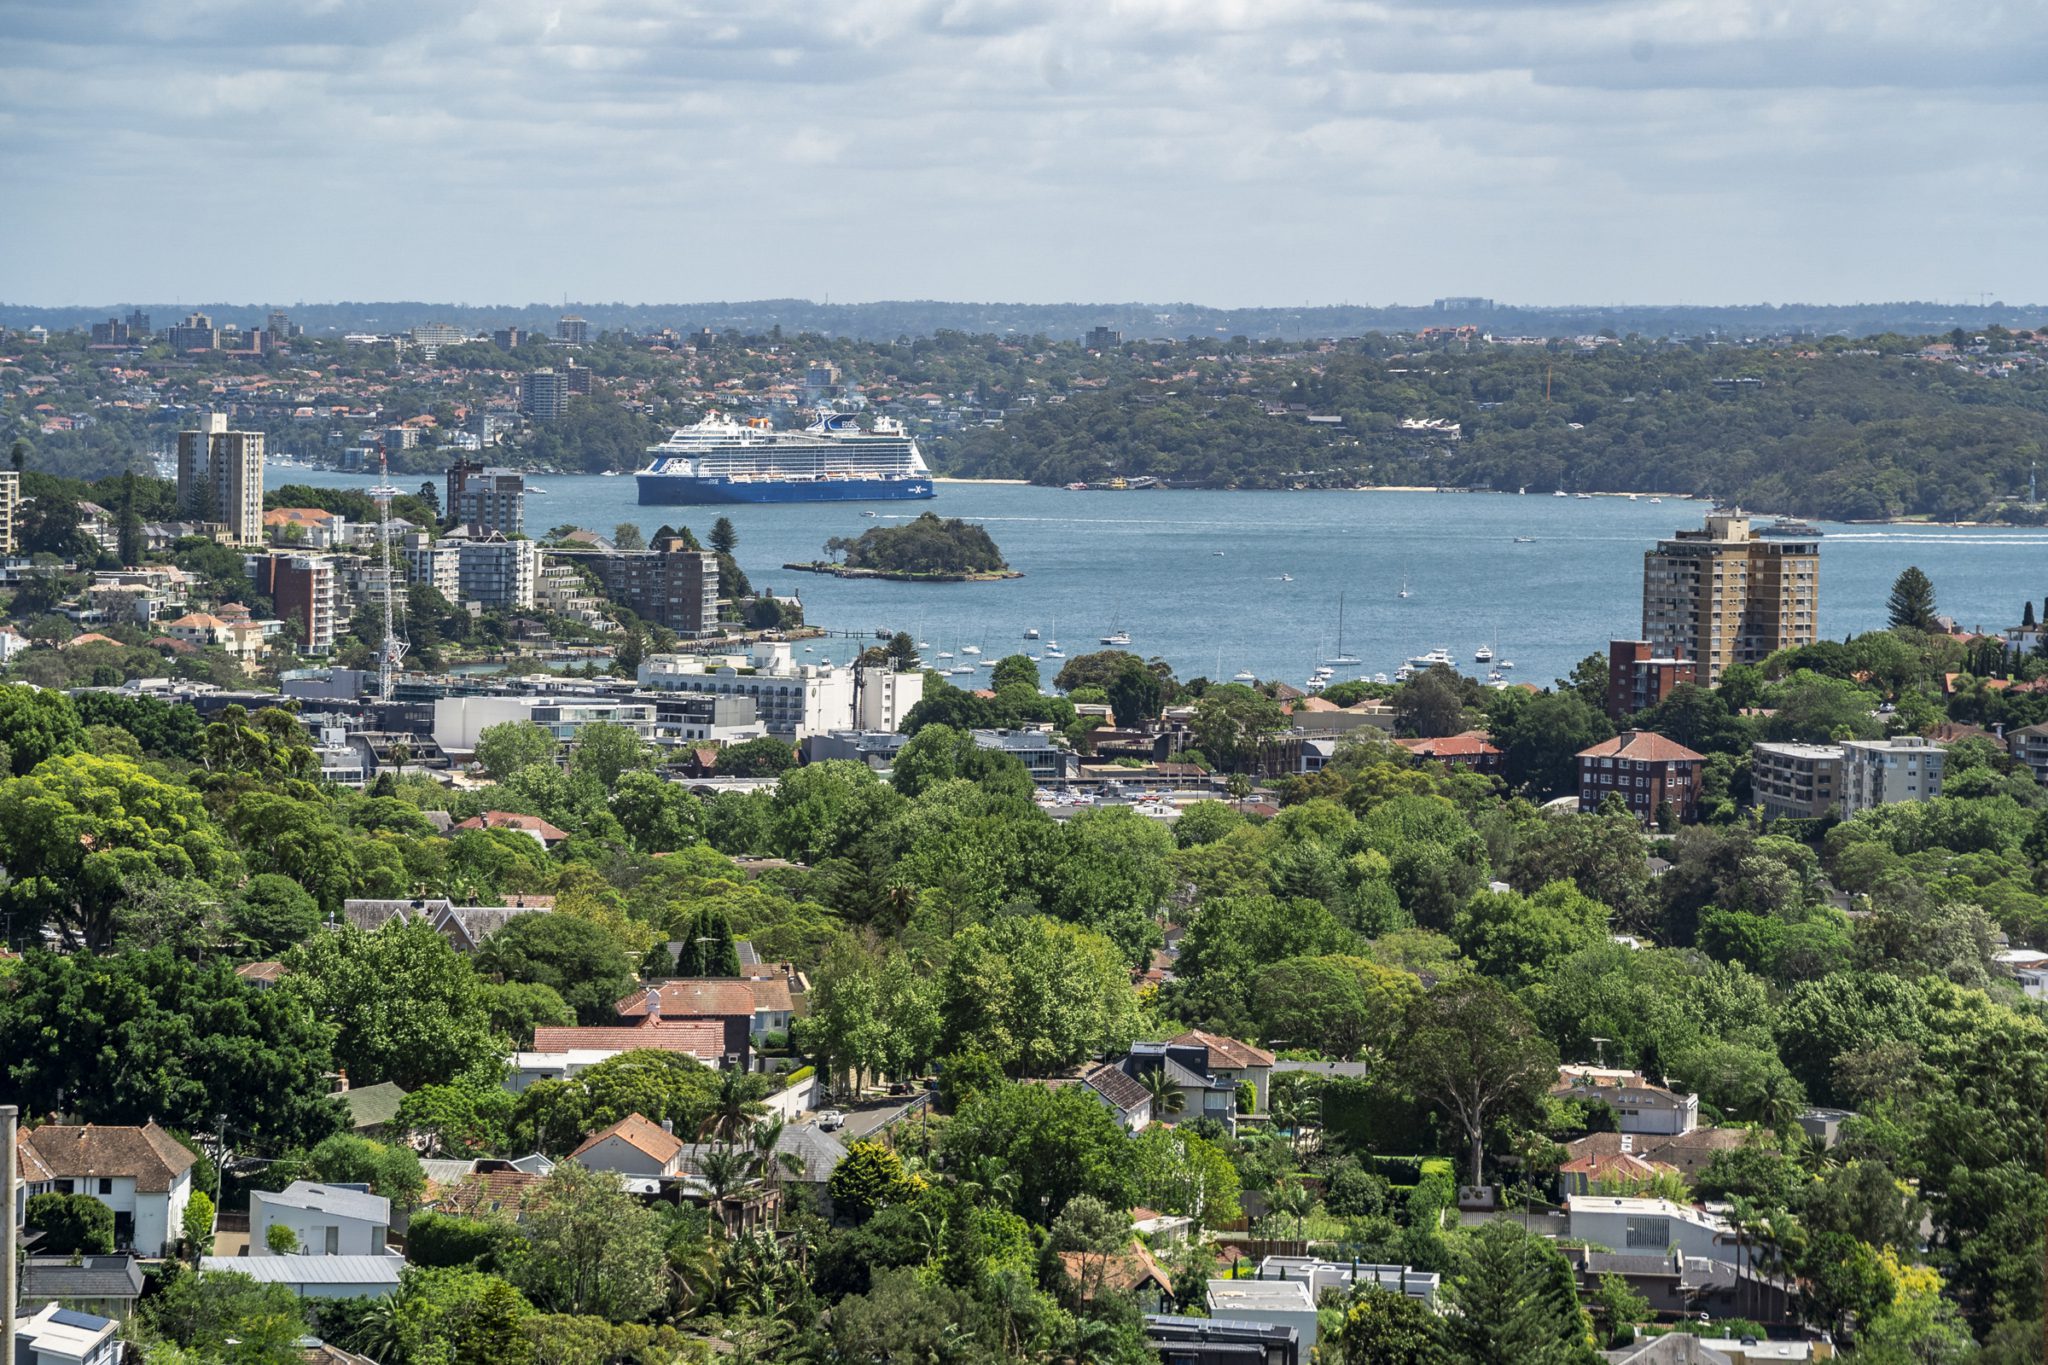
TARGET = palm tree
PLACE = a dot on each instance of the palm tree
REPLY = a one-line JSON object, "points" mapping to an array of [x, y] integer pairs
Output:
{"points": [[770, 1164], [725, 1171], [1167, 1098], [376, 1332], [735, 1109]]}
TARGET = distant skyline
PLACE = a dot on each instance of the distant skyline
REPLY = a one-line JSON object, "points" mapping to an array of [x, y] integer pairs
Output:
{"points": [[1232, 153]]}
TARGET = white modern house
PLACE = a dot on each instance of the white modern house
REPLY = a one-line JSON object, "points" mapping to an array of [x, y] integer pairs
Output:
{"points": [[1654, 1226], [1269, 1303], [64, 1336], [1319, 1275], [326, 1220], [318, 1277], [143, 1174]]}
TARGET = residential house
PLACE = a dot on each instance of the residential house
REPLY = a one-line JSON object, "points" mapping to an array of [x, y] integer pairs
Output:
{"points": [[633, 1146], [325, 1220], [559, 1053], [261, 975], [143, 1174], [1471, 750], [1129, 1274], [1685, 1287], [65, 1336], [547, 834], [1125, 1095], [487, 1185], [817, 1152], [1623, 1223], [318, 1277], [2028, 966], [1270, 1303], [464, 926], [373, 1109], [305, 528], [750, 1006], [1689, 1152], [1320, 1275], [106, 1286], [1614, 1170], [1208, 1341], [1639, 1106], [1647, 771], [1207, 1068], [203, 630]]}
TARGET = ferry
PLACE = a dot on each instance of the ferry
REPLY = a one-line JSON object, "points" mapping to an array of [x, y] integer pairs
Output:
{"points": [[720, 460]]}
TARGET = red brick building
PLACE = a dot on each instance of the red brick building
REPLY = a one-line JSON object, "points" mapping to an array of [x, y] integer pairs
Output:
{"points": [[1646, 770], [1638, 679]]}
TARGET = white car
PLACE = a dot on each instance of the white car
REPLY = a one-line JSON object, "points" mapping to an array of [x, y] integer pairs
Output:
{"points": [[829, 1119]]}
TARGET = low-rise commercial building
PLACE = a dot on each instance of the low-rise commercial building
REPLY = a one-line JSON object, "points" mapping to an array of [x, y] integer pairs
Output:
{"points": [[1796, 781], [1884, 772], [460, 721], [794, 701]]}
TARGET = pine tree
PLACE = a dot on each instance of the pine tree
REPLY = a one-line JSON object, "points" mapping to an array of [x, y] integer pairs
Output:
{"points": [[1911, 605], [724, 538], [2027, 616]]}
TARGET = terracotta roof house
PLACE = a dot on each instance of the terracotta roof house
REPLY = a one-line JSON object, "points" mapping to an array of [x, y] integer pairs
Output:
{"points": [[261, 975], [142, 1174], [747, 1006], [495, 1186], [1621, 1169], [559, 1053], [540, 829], [1131, 1273], [632, 1146], [1689, 1152], [1472, 749]]}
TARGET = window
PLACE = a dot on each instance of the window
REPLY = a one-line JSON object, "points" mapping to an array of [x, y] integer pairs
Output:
{"points": [[106, 1185], [1648, 1233]]}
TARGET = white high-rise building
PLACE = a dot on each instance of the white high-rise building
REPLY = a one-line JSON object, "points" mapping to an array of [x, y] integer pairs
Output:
{"points": [[220, 478]]}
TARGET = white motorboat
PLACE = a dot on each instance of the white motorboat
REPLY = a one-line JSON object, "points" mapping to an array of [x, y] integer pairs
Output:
{"points": [[1245, 676], [1483, 654], [1560, 493], [1031, 632]]}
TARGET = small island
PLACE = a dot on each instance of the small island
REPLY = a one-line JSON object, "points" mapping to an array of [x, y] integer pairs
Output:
{"points": [[929, 549]]}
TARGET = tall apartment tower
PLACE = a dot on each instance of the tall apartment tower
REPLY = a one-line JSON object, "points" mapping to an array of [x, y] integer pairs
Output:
{"points": [[10, 510], [220, 478], [1728, 594], [489, 499], [543, 394]]}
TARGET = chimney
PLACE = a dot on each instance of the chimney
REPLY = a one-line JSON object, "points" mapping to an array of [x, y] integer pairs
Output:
{"points": [[654, 1004], [669, 1126]]}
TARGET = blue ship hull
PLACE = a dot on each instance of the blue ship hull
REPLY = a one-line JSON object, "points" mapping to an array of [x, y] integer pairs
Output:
{"points": [[666, 490]]}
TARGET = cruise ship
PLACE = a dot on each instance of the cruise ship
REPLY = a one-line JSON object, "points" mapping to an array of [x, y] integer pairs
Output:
{"points": [[721, 460]]}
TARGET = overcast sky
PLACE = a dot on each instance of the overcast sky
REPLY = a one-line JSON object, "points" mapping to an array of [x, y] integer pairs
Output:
{"points": [[1230, 152]]}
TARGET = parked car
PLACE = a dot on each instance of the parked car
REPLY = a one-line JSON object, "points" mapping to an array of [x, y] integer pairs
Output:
{"points": [[829, 1119]]}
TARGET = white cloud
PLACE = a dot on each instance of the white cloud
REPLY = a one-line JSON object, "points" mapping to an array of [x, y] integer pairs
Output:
{"points": [[1227, 151]]}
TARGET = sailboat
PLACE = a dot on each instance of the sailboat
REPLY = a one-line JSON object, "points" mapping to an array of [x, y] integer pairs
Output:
{"points": [[1341, 657], [1404, 585], [1117, 636], [1052, 642]]}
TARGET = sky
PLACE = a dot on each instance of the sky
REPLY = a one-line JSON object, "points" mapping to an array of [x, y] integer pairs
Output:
{"points": [[1226, 152]]}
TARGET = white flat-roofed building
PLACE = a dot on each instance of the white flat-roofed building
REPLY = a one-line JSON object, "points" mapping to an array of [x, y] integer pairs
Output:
{"points": [[1796, 781], [326, 1220], [317, 1277], [65, 1336], [1885, 772], [1625, 1224], [460, 721], [792, 700], [1319, 1275], [1272, 1303]]}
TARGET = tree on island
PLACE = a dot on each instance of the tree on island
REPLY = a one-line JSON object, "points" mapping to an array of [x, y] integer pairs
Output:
{"points": [[926, 545], [1912, 601]]}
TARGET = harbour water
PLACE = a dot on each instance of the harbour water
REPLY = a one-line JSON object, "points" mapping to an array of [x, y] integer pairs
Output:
{"points": [[1202, 579]]}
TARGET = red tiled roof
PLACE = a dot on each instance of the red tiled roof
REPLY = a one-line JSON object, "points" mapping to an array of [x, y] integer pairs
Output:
{"points": [[1225, 1052], [1470, 743], [700, 1038], [700, 998], [641, 1134], [504, 819], [149, 1155], [1643, 746]]}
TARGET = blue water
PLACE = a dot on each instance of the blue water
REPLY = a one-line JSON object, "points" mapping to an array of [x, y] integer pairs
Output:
{"points": [[1149, 562]]}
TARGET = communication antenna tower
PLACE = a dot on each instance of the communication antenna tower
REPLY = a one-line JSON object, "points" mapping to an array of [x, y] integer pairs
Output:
{"points": [[392, 650]]}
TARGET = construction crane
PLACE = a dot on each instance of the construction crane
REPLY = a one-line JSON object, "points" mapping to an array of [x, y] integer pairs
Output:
{"points": [[392, 649]]}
